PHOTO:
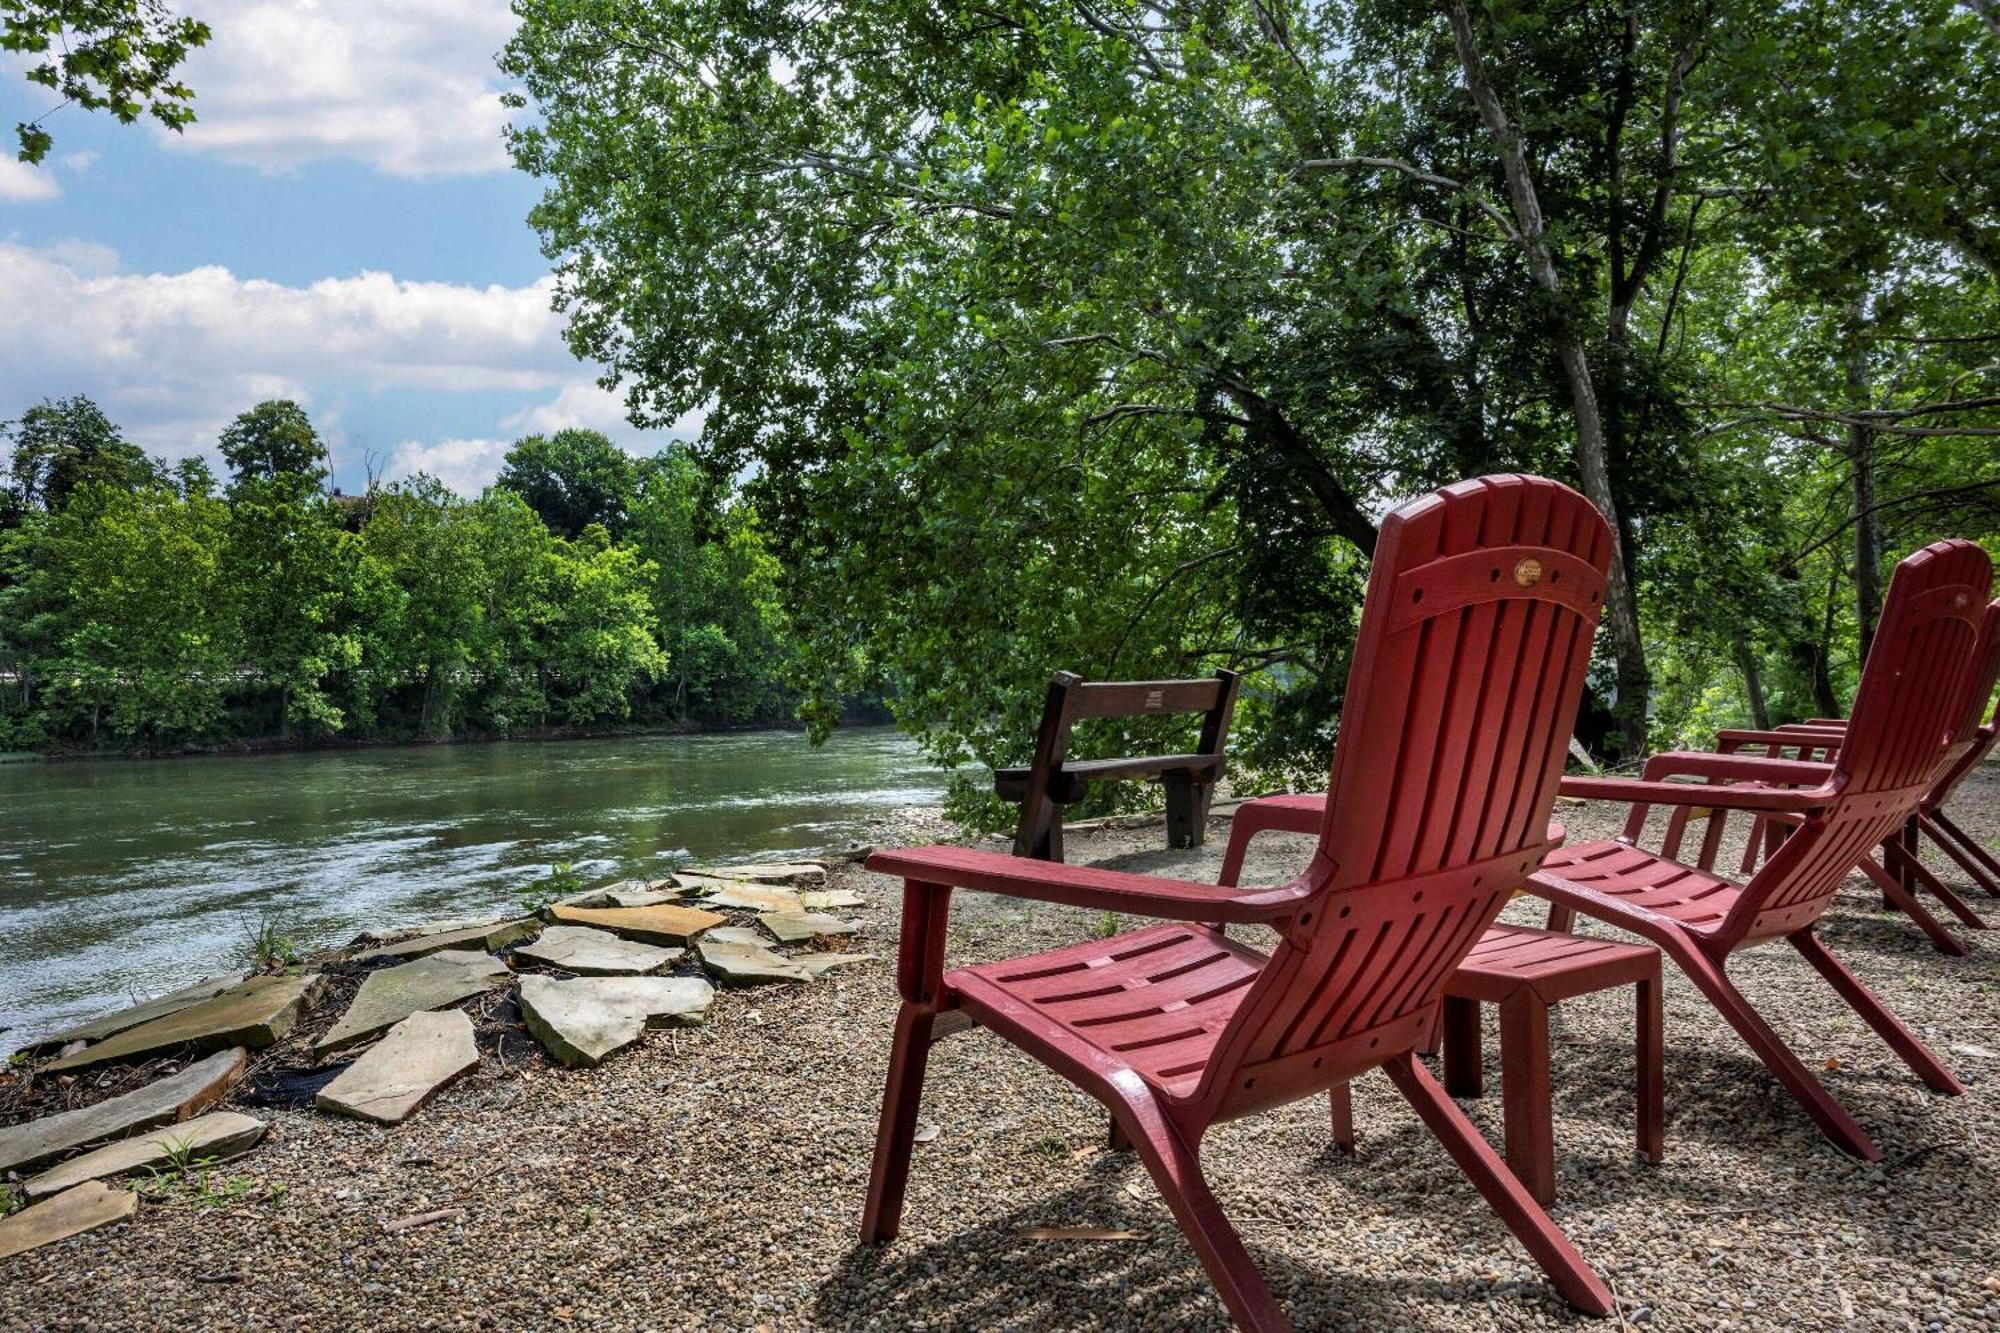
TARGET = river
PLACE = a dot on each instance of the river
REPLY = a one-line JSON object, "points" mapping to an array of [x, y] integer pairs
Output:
{"points": [[130, 877]]}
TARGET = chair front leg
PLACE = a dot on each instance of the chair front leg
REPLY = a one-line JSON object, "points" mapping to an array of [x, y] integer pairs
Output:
{"points": [[1887, 1026], [920, 980]]}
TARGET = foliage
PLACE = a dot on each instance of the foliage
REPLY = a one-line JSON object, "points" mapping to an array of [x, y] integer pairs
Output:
{"points": [[270, 948], [103, 55], [58, 446], [274, 438], [561, 882], [572, 479]]}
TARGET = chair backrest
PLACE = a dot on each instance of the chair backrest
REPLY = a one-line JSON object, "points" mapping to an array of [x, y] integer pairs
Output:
{"points": [[1977, 732], [1467, 672], [1907, 713]]}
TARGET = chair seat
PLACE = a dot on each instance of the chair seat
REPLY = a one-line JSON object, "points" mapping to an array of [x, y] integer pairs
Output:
{"points": [[1554, 965], [1695, 898], [1155, 1000]]}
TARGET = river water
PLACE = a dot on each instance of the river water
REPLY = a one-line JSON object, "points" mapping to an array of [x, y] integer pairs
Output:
{"points": [[126, 878]]}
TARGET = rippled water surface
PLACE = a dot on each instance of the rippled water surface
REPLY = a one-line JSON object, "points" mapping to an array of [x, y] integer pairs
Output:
{"points": [[122, 878]]}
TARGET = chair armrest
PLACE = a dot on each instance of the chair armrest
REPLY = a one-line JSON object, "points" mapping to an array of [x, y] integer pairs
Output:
{"points": [[1817, 738], [1641, 791], [1087, 886], [1735, 768]]}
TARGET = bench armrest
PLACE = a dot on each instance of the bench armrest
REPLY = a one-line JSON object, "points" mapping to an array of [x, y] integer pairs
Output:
{"points": [[1086, 886]]}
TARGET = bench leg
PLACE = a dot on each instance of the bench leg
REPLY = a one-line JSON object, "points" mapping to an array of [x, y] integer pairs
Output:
{"points": [[1187, 809], [1463, 1060], [1650, 1050], [1524, 1094], [1340, 1106]]}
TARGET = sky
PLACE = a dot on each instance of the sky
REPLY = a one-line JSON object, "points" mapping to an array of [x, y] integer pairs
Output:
{"points": [[341, 226]]}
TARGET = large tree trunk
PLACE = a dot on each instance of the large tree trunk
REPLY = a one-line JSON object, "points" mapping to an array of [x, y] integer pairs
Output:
{"points": [[1861, 464], [1593, 464], [1753, 681]]}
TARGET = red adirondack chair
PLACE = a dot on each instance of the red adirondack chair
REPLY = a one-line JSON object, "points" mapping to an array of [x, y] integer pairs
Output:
{"points": [[1465, 681], [1912, 690]]}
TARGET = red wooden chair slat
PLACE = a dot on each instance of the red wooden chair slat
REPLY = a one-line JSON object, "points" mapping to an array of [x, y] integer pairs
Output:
{"points": [[1465, 681], [1913, 693]]}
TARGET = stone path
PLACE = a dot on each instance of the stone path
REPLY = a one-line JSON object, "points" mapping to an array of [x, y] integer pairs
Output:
{"points": [[219, 1135], [662, 924], [740, 955], [421, 1054], [798, 927], [254, 1014], [84, 1208], [596, 953], [171, 1099], [393, 994], [158, 1007], [580, 1022], [490, 937]]}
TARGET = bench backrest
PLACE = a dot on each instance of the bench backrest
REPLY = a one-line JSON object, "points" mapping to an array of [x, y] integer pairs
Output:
{"points": [[1907, 712], [1072, 699], [1467, 672]]}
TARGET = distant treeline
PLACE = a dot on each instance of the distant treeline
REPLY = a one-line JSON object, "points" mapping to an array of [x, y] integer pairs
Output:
{"points": [[149, 606]]}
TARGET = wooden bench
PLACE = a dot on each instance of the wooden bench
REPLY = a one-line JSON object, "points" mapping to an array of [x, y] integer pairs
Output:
{"points": [[1052, 780]]}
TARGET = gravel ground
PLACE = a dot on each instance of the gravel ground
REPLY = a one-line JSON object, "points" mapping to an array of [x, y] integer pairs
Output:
{"points": [[713, 1178]]}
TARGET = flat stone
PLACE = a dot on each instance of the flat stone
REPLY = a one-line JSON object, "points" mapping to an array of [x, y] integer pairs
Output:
{"points": [[625, 893], [254, 1014], [162, 1102], [768, 872], [405, 1069], [755, 898], [739, 955], [581, 1022], [596, 953], [158, 1007], [389, 996], [665, 923], [795, 927], [83, 1208], [489, 937], [831, 900], [216, 1136], [397, 934], [818, 964]]}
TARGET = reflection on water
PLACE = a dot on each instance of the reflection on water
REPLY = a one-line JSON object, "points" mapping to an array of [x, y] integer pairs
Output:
{"points": [[132, 877]]}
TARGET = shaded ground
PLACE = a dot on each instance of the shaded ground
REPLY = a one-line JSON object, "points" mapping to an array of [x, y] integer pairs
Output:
{"points": [[712, 1178]]}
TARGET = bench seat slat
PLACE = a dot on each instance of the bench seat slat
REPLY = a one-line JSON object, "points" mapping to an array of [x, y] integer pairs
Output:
{"points": [[1012, 783]]}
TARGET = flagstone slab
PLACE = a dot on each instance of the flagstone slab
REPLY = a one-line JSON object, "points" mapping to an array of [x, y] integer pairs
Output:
{"points": [[83, 1208], [768, 872], [581, 1022], [589, 952], [745, 897], [797, 927], [214, 1137], [389, 996], [664, 923], [831, 900], [157, 1007], [491, 936], [817, 965], [738, 954], [420, 1056], [254, 1014], [164, 1101], [625, 893]]}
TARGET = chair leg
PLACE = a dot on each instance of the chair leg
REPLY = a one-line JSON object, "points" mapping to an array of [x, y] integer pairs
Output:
{"points": [[1177, 1172], [1887, 1026], [1507, 1196], [1963, 859], [1340, 1108], [1464, 1072], [1243, 826], [1561, 918], [1649, 1049], [1905, 902], [1116, 1140], [1971, 844], [1831, 1117], [1526, 1102], [1919, 875], [897, 1134]]}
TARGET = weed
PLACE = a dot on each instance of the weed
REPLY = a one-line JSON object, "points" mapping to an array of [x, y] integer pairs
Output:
{"points": [[10, 1199], [1052, 1146], [270, 947], [561, 881], [1107, 925]]}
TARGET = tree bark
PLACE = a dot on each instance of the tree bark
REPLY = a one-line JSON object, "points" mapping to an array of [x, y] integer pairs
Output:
{"points": [[1861, 466], [1753, 681], [1593, 464]]}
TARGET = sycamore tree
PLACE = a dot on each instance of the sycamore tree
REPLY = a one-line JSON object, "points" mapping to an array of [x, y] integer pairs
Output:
{"points": [[117, 56]]}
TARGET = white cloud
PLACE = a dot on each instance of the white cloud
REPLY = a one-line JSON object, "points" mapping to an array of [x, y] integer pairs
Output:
{"points": [[78, 163], [408, 88], [590, 405], [23, 184], [464, 465]]}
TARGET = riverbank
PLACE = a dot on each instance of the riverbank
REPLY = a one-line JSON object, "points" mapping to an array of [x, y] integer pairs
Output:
{"points": [[712, 1179]]}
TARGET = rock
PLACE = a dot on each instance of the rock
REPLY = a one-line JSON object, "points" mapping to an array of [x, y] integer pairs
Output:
{"points": [[596, 953], [254, 1014], [794, 927], [625, 893], [84, 1208], [753, 897], [489, 937], [580, 1022], [405, 1069], [831, 900], [768, 872], [398, 934], [163, 1102], [817, 964], [158, 1007], [215, 1136], [665, 923], [740, 955], [389, 996]]}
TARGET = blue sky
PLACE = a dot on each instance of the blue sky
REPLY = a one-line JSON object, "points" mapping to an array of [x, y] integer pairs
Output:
{"points": [[341, 226]]}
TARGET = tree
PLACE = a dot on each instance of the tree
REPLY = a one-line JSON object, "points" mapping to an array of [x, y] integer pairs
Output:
{"points": [[275, 438], [424, 536], [572, 478], [103, 55], [62, 444]]}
